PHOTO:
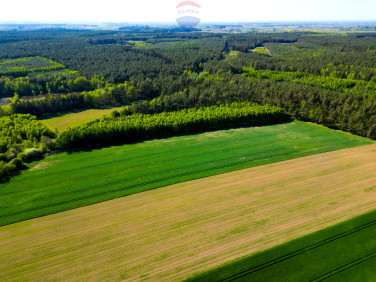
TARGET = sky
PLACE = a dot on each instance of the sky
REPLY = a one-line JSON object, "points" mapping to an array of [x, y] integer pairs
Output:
{"points": [[164, 10]]}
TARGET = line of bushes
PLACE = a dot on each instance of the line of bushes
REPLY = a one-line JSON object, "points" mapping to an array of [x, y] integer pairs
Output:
{"points": [[126, 129], [109, 95], [22, 138]]}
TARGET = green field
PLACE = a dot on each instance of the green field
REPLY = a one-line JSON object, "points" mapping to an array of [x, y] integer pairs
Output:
{"points": [[260, 50], [30, 64], [66, 181], [344, 252], [64, 121]]}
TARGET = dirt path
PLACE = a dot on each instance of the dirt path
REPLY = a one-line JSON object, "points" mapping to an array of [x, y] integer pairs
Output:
{"points": [[174, 232], [267, 50]]}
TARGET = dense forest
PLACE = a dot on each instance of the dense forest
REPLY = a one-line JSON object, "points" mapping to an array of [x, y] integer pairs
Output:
{"points": [[324, 78]]}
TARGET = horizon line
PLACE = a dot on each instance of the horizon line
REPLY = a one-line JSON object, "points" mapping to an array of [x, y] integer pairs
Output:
{"points": [[203, 22]]}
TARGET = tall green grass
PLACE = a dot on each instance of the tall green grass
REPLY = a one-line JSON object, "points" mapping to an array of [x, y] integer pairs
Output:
{"points": [[66, 181], [344, 252], [74, 118]]}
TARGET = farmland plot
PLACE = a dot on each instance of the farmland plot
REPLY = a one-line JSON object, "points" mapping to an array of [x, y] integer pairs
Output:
{"points": [[64, 121], [67, 181], [322, 255], [178, 231]]}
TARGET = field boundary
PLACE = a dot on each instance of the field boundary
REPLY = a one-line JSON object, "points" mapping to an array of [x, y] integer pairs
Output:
{"points": [[208, 275], [303, 250], [139, 185]]}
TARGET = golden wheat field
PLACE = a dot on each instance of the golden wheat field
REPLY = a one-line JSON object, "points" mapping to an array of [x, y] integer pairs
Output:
{"points": [[177, 231]]}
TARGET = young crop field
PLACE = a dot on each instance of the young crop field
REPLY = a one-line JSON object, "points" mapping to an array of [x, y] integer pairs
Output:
{"points": [[179, 231], [65, 121], [323, 255], [70, 180], [30, 64]]}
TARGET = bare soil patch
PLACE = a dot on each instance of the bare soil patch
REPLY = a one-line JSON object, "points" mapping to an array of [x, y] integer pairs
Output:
{"points": [[43, 165]]}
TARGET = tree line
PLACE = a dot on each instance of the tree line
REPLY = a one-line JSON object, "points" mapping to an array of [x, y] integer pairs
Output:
{"points": [[124, 128], [22, 138], [108, 95], [347, 110]]}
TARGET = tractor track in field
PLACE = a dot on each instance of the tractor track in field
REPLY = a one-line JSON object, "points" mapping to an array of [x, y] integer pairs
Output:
{"points": [[346, 267], [309, 248]]}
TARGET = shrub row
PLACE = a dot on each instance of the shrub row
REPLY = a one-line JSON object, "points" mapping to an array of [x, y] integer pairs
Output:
{"points": [[126, 129], [22, 138]]}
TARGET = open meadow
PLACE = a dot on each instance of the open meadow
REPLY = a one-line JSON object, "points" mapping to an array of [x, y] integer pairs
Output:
{"points": [[70, 180], [178, 231], [64, 121]]}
